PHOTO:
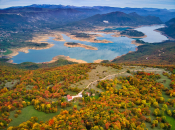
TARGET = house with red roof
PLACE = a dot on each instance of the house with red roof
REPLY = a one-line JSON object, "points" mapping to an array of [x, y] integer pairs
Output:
{"points": [[88, 94], [69, 98]]}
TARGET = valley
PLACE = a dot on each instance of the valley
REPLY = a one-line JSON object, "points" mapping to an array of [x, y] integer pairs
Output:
{"points": [[100, 42], [65, 67]]}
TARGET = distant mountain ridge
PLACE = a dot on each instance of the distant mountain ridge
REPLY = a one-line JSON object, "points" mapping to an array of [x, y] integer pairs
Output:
{"points": [[118, 19], [163, 14], [55, 16], [33, 18]]}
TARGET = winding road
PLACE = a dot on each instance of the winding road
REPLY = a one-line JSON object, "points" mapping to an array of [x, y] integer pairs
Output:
{"points": [[109, 77]]}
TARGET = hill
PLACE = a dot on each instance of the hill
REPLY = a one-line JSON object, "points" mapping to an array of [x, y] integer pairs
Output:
{"points": [[20, 24], [156, 53], [118, 19], [170, 22], [170, 29], [163, 14], [112, 96]]}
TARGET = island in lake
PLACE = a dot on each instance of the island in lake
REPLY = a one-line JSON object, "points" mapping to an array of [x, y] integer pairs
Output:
{"points": [[73, 44], [130, 33]]}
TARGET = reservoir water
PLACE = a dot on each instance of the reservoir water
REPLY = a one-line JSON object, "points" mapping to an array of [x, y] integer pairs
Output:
{"points": [[152, 36], [106, 51]]}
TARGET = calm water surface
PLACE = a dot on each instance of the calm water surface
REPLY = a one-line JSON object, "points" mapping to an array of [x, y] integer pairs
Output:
{"points": [[106, 51], [152, 36]]}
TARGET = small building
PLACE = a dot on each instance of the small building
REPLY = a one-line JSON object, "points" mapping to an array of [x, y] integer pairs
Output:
{"points": [[69, 98], [105, 21], [88, 94]]}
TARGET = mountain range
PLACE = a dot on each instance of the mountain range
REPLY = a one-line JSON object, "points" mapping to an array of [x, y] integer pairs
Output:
{"points": [[118, 19], [163, 14], [37, 17], [19, 23]]}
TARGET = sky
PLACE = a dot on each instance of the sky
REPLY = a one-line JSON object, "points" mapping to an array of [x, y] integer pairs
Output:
{"points": [[167, 4]]}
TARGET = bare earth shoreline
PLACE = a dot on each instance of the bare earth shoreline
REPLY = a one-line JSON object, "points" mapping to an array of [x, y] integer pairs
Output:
{"points": [[54, 59], [91, 38], [80, 45], [42, 38]]}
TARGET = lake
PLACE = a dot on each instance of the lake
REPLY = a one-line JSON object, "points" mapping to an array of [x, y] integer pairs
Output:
{"points": [[152, 36], [106, 51]]}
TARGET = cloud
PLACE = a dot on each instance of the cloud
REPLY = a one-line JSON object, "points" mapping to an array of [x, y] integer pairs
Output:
{"points": [[114, 3]]}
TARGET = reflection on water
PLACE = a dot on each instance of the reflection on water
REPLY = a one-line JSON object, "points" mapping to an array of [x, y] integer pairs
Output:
{"points": [[120, 46]]}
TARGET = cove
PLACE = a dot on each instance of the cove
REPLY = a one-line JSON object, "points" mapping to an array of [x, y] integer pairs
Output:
{"points": [[120, 46]]}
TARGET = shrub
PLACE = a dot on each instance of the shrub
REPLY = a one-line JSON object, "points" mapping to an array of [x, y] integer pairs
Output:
{"points": [[16, 115]]}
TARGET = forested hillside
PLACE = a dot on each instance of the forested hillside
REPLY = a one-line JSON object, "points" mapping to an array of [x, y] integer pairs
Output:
{"points": [[170, 29], [118, 19], [138, 98], [156, 53]]}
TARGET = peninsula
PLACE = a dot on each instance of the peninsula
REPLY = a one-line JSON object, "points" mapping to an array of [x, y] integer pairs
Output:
{"points": [[56, 58]]}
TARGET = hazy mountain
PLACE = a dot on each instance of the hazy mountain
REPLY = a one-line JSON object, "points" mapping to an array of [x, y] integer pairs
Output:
{"points": [[163, 14], [172, 10], [118, 18], [170, 22], [34, 17]]}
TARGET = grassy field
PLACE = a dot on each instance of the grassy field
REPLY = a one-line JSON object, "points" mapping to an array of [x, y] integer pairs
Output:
{"points": [[29, 112], [7, 52]]}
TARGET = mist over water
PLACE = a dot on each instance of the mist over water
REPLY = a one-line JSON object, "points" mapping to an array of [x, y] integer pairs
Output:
{"points": [[106, 51]]}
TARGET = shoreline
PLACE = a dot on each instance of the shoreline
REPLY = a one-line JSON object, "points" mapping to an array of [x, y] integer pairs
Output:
{"points": [[16, 51], [136, 49], [118, 34], [170, 38], [91, 38], [42, 38], [56, 58], [38, 38], [80, 45], [135, 43]]}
